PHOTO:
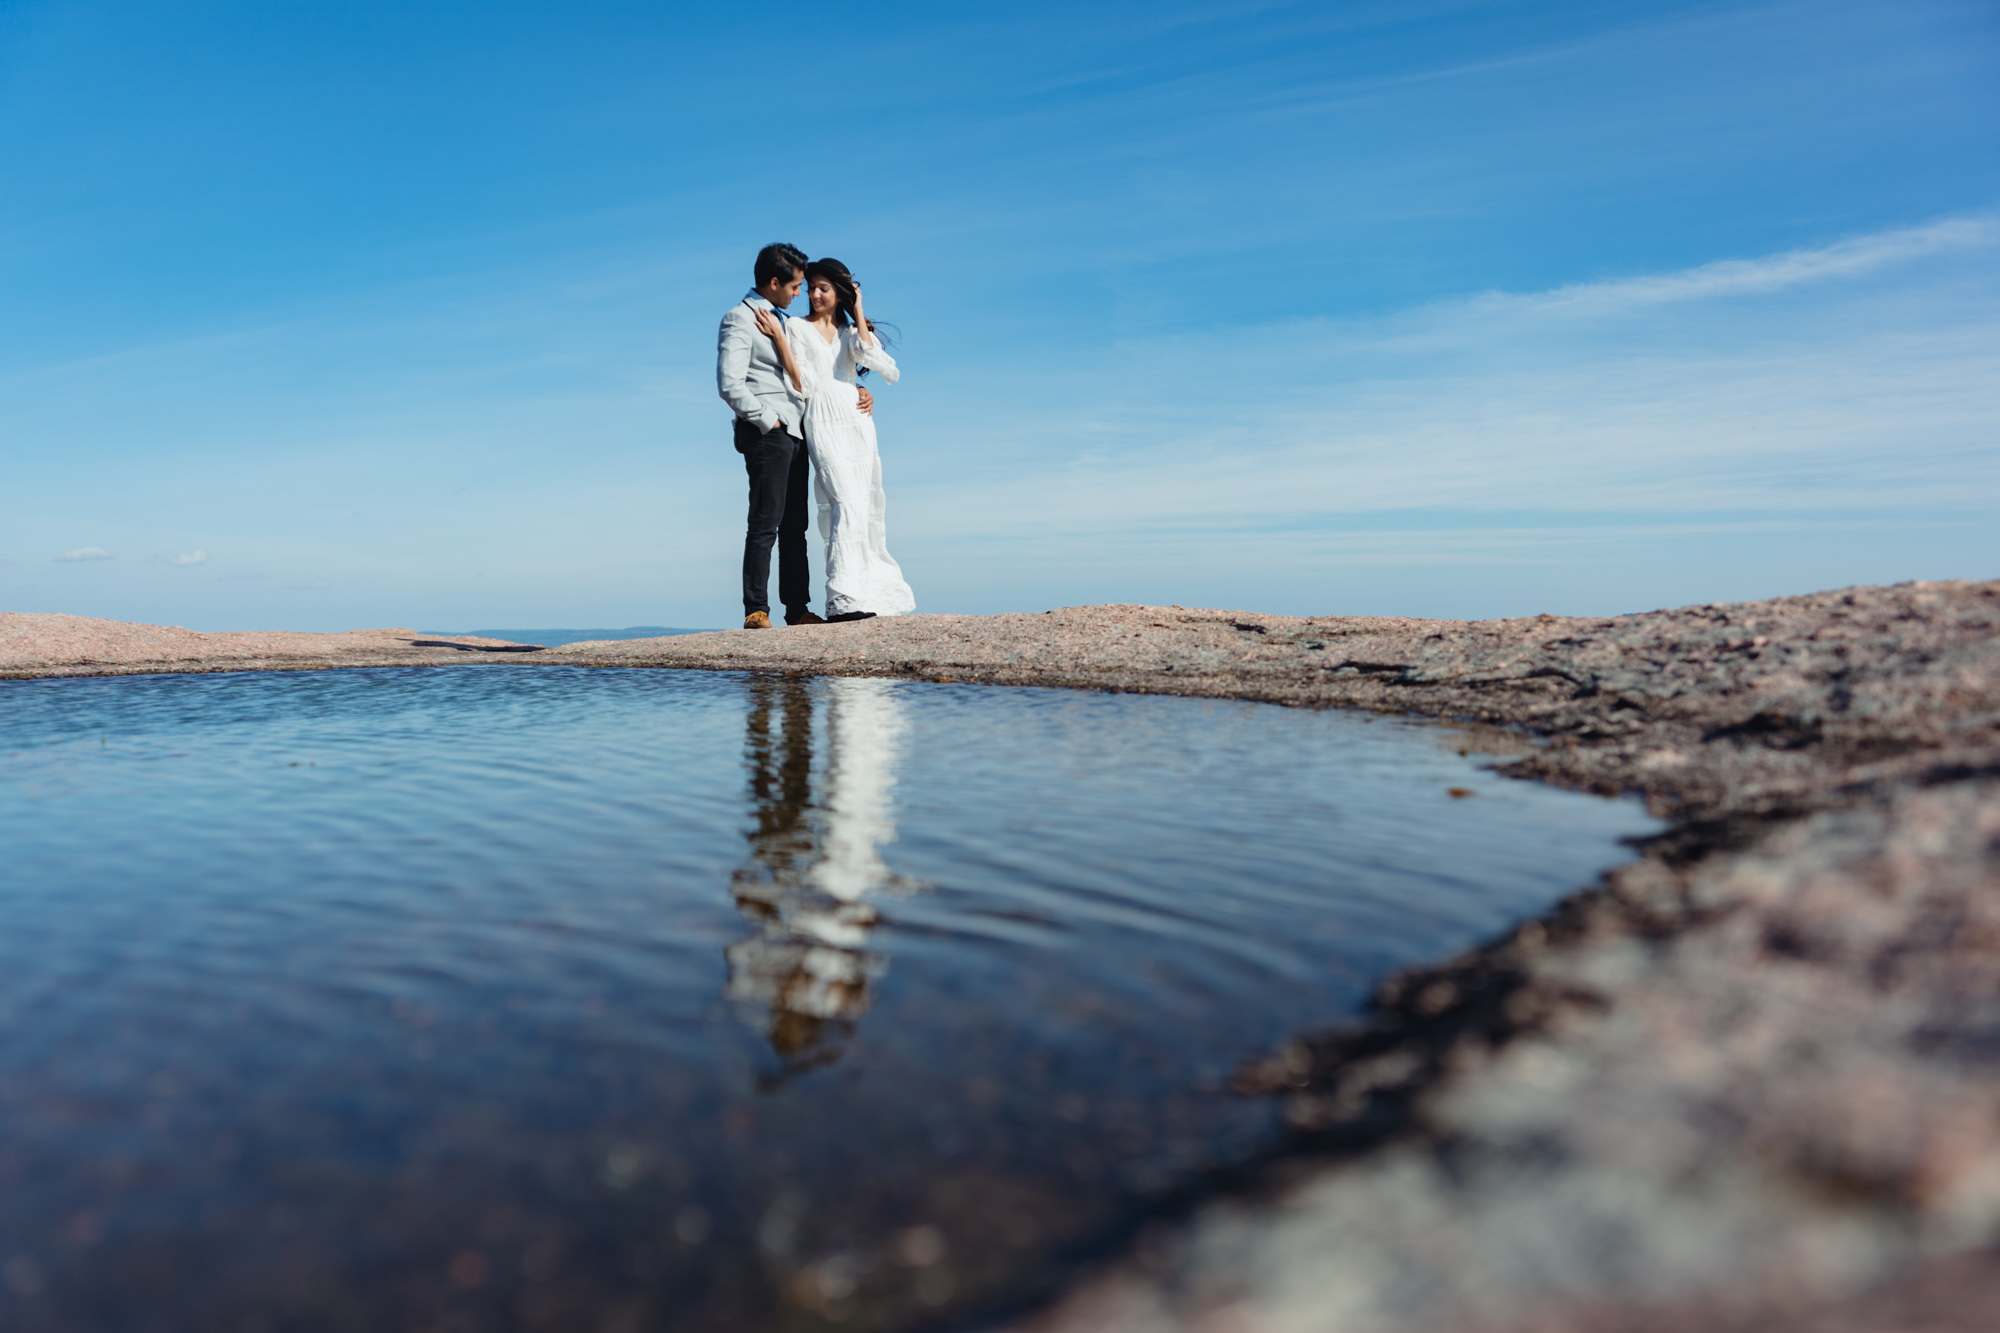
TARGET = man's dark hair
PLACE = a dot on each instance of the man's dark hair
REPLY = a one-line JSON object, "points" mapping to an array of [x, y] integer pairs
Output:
{"points": [[779, 261]]}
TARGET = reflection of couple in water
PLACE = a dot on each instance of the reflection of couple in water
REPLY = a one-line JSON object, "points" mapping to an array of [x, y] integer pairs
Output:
{"points": [[814, 857], [795, 386]]}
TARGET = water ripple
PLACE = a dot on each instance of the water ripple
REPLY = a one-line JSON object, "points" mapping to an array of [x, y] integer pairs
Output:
{"points": [[541, 997]]}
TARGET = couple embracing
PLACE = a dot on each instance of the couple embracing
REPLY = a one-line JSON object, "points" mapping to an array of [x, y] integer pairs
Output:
{"points": [[794, 383]]}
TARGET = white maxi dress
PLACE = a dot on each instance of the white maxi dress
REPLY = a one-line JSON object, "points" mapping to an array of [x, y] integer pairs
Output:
{"points": [[861, 575]]}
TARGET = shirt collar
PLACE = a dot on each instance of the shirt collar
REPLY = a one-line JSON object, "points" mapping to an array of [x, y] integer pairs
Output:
{"points": [[757, 299]]}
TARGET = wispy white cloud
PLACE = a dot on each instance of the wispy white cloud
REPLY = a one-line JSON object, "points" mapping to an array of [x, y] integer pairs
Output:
{"points": [[189, 558], [85, 553], [1873, 384], [1769, 273]]}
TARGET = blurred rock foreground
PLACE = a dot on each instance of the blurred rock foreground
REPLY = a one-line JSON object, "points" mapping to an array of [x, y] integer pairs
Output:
{"points": [[1751, 1081]]}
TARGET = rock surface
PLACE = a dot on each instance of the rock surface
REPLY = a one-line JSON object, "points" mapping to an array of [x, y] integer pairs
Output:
{"points": [[35, 645], [1752, 1080]]}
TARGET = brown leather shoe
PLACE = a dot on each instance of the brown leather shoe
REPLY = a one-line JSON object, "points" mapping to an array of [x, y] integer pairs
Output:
{"points": [[757, 620], [805, 617]]}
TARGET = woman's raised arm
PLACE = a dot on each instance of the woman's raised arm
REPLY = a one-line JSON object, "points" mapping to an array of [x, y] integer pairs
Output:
{"points": [[774, 328], [869, 354]]}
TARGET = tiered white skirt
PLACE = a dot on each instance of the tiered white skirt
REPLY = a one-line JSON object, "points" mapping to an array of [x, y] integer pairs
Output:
{"points": [[861, 575]]}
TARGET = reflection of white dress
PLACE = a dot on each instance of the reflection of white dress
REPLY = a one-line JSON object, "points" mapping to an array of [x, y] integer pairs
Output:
{"points": [[861, 575], [864, 739]]}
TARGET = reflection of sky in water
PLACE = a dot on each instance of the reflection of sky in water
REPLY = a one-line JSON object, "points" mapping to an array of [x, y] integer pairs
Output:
{"points": [[551, 998]]}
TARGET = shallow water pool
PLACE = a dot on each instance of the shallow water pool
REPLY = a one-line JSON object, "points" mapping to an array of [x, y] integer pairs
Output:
{"points": [[549, 998]]}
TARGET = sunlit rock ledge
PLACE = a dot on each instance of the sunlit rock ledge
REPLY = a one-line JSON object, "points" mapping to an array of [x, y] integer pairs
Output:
{"points": [[1750, 1081]]}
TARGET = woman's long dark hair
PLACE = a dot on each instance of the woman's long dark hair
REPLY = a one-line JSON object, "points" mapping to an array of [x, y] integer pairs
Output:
{"points": [[842, 282]]}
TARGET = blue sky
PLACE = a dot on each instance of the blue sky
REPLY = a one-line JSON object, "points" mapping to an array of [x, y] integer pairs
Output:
{"points": [[326, 315]]}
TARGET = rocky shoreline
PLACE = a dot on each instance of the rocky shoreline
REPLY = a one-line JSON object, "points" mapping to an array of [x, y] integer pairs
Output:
{"points": [[1752, 1080]]}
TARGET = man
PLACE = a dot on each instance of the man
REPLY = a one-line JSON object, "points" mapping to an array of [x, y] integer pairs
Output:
{"points": [[771, 437]]}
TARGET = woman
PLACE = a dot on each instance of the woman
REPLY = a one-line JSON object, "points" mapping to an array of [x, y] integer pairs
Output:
{"points": [[826, 353]]}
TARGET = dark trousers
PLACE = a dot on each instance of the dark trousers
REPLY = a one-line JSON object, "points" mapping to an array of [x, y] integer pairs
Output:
{"points": [[780, 485]]}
